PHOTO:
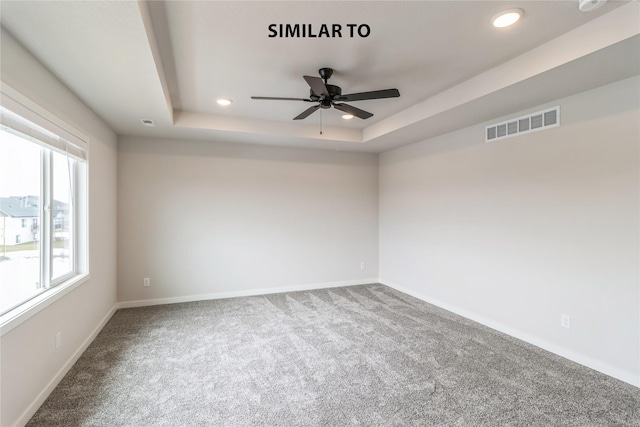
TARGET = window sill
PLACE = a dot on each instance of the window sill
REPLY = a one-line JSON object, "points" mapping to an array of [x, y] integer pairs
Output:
{"points": [[27, 310]]}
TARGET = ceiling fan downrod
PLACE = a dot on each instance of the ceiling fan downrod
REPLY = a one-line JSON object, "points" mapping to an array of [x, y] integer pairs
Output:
{"points": [[325, 74]]}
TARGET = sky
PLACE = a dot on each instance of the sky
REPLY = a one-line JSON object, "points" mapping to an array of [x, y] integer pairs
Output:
{"points": [[20, 169]]}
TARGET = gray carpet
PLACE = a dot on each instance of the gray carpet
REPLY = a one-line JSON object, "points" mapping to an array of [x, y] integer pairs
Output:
{"points": [[361, 355]]}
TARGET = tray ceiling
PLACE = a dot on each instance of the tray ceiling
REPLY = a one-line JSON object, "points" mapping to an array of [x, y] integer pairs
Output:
{"points": [[170, 61]]}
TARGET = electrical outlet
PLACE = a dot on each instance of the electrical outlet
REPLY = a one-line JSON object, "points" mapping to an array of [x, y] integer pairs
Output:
{"points": [[565, 321], [362, 265], [146, 282], [58, 340]]}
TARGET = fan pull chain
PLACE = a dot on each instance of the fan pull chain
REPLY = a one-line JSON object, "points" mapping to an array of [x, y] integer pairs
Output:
{"points": [[321, 121]]}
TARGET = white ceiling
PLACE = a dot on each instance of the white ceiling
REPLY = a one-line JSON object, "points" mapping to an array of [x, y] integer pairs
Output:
{"points": [[170, 61]]}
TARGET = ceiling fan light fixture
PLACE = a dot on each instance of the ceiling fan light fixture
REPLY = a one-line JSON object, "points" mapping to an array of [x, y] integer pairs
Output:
{"points": [[507, 18], [224, 102], [347, 116]]}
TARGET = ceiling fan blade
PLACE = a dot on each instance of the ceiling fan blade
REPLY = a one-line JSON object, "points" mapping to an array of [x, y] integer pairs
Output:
{"points": [[349, 109], [376, 94], [306, 113], [317, 85], [280, 99]]}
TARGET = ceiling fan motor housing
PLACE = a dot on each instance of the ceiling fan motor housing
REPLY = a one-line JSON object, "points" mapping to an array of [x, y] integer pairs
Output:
{"points": [[333, 92]]}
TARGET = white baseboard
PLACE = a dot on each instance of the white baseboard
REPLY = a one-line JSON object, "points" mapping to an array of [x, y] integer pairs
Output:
{"points": [[582, 359], [39, 400], [243, 293]]}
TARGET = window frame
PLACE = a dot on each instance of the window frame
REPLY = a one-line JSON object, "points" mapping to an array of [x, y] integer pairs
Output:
{"points": [[53, 289]]}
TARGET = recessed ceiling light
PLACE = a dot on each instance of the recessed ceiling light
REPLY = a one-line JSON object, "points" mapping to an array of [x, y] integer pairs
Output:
{"points": [[507, 17], [347, 116], [589, 5], [224, 101]]}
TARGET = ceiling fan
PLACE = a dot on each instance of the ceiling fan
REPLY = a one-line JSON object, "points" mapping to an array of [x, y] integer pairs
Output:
{"points": [[327, 95]]}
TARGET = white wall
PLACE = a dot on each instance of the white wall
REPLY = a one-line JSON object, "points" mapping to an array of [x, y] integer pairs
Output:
{"points": [[29, 363], [205, 219], [516, 232]]}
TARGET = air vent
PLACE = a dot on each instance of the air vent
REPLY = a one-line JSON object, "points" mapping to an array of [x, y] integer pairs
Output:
{"points": [[148, 122], [533, 122]]}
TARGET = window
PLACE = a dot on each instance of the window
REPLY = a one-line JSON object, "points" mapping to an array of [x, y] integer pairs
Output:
{"points": [[41, 173]]}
